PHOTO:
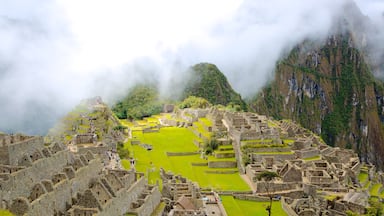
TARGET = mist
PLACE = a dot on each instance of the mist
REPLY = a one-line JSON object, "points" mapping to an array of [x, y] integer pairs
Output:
{"points": [[55, 53]]}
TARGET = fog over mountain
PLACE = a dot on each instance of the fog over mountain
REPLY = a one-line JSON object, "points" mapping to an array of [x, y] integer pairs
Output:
{"points": [[55, 53]]}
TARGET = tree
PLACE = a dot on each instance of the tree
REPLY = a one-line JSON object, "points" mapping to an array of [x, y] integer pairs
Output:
{"points": [[194, 102], [267, 177]]}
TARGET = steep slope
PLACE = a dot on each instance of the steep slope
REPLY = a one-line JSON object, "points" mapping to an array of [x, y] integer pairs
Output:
{"points": [[91, 116], [210, 83], [141, 101], [330, 90]]}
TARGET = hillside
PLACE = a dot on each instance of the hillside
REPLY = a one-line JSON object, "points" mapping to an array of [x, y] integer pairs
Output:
{"points": [[91, 116], [141, 101], [208, 82], [205, 81], [330, 90]]}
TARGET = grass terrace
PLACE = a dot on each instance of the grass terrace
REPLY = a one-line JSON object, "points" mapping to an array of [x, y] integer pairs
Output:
{"points": [[313, 158], [288, 141], [200, 128], [374, 191], [236, 207], [175, 139], [363, 177], [206, 121], [261, 143]]}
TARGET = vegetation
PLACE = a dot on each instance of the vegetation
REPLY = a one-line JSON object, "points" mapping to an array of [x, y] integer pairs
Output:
{"points": [[122, 151], [194, 102], [249, 208], [142, 101], [268, 176], [208, 82], [331, 91], [90, 114], [376, 207], [174, 139], [4, 212], [211, 146]]}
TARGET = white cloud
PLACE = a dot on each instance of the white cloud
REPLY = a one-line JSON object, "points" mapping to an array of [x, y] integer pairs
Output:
{"points": [[54, 53]]}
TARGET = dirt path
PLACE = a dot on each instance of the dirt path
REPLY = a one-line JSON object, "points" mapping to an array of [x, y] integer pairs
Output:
{"points": [[248, 181]]}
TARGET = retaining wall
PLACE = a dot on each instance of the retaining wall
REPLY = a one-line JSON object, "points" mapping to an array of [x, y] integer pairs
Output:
{"points": [[222, 164]]}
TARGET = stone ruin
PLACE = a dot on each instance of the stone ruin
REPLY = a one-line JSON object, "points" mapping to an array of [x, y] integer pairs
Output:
{"points": [[71, 184], [308, 169], [183, 197]]}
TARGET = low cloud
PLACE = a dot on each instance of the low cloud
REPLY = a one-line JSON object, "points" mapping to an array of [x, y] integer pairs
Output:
{"points": [[55, 53]]}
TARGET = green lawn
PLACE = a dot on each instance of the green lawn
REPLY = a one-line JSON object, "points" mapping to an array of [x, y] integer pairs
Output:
{"points": [[200, 128], [375, 189], [313, 158], [174, 139], [5, 213], [206, 121], [288, 141], [363, 177], [236, 207]]}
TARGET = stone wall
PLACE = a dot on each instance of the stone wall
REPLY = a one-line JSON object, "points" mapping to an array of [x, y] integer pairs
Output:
{"points": [[308, 153], [17, 150], [23, 180], [150, 203], [94, 149], [222, 164], [182, 153], [287, 208], [251, 198], [219, 154], [264, 187], [124, 198], [65, 190], [277, 157]]}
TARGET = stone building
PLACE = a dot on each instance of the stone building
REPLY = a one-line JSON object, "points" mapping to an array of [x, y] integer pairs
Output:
{"points": [[71, 184]]}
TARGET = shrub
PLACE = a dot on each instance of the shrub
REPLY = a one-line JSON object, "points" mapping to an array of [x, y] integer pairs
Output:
{"points": [[123, 152], [211, 146]]}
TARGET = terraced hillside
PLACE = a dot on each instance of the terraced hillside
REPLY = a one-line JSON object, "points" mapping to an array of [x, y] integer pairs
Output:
{"points": [[230, 152], [179, 149]]}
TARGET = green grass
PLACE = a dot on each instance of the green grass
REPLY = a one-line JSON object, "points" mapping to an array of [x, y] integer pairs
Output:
{"points": [[200, 128], [313, 158], [331, 197], [363, 177], [174, 139], [223, 151], [272, 124], [206, 121], [5, 213], [288, 141], [257, 141], [225, 148], [236, 207], [375, 189], [367, 185]]}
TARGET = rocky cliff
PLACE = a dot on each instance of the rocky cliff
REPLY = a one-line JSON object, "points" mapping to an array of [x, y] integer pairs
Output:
{"points": [[329, 88]]}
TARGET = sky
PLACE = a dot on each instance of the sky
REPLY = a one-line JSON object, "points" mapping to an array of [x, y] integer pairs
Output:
{"points": [[53, 53]]}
